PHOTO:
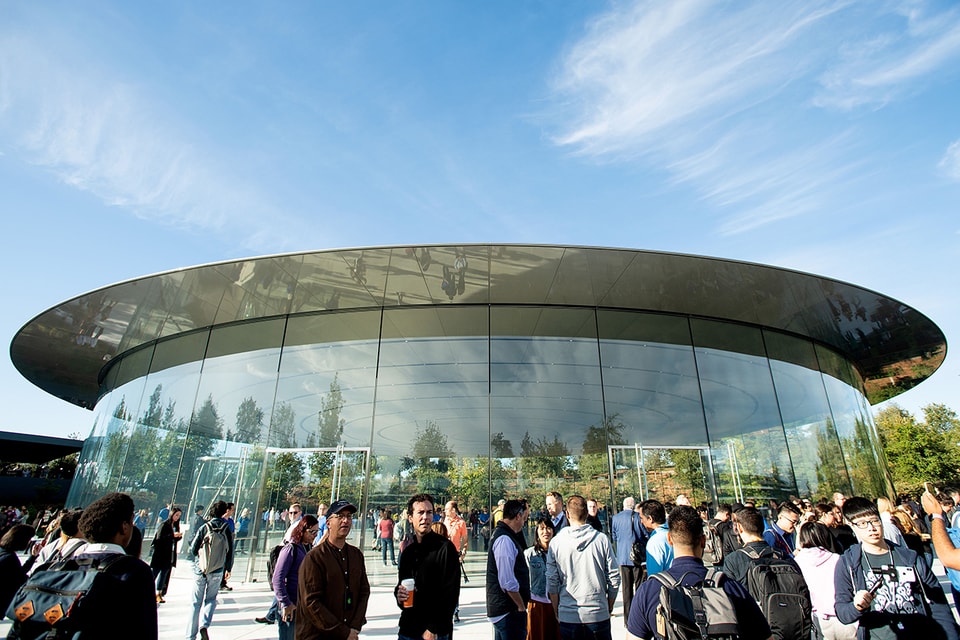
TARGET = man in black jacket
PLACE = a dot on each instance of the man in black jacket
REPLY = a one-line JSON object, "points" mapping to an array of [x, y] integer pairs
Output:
{"points": [[433, 563]]}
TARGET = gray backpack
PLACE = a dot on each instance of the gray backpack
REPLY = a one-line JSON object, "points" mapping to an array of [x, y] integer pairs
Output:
{"points": [[699, 611], [213, 550]]}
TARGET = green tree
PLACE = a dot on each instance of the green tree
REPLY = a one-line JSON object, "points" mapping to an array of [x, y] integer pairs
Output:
{"points": [[330, 422], [284, 475], [206, 421], [249, 422], [282, 427], [918, 452]]}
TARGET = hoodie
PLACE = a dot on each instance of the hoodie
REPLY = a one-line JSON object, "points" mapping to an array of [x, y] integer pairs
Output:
{"points": [[582, 571], [818, 566]]}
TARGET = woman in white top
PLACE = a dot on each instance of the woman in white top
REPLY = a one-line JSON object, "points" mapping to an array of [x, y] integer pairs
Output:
{"points": [[891, 528]]}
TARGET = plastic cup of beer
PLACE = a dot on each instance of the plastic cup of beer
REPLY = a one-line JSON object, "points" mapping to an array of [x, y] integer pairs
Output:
{"points": [[410, 586]]}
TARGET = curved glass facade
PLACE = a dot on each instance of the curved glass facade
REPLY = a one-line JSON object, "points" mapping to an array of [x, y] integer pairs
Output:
{"points": [[476, 403]]}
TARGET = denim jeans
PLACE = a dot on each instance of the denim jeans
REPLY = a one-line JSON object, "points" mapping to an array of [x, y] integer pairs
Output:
{"points": [[512, 626], [205, 590], [384, 544], [161, 579], [585, 631], [286, 629]]}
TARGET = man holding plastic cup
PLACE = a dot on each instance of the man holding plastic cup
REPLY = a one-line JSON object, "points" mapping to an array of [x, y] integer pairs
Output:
{"points": [[433, 564]]}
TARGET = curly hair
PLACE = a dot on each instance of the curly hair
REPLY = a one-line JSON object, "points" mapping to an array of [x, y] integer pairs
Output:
{"points": [[104, 518]]}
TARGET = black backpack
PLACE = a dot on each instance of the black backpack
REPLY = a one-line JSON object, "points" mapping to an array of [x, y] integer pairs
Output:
{"points": [[715, 541], [272, 562], [779, 588], [699, 611], [68, 599], [638, 550]]}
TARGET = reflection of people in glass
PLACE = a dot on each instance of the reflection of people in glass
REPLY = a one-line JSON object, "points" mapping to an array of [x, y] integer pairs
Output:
{"points": [[385, 529]]}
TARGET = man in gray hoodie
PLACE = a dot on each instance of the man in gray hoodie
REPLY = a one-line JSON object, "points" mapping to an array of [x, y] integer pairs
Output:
{"points": [[583, 577]]}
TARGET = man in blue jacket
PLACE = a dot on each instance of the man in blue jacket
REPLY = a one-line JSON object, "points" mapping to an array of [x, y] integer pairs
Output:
{"points": [[887, 588], [626, 529]]}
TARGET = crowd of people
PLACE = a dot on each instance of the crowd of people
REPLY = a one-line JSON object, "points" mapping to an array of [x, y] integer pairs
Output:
{"points": [[839, 569]]}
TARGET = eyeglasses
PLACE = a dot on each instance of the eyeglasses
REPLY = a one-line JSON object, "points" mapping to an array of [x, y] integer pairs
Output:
{"points": [[314, 531], [792, 521], [342, 516], [870, 522]]}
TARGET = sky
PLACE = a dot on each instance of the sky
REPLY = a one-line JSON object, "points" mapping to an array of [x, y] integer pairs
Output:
{"points": [[142, 137]]}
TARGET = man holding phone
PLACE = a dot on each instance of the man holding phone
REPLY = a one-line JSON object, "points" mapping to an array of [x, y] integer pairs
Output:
{"points": [[887, 588]]}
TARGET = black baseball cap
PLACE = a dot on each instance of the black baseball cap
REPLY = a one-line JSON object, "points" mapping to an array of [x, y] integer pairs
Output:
{"points": [[340, 505]]}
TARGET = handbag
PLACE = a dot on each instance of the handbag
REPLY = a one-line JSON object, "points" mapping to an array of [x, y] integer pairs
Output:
{"points": [[638, 551]]}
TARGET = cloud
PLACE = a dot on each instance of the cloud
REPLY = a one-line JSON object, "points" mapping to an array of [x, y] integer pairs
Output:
{"points": [[109, 137], [949, 164], [649, 68], [729, 100], [896, 57]]}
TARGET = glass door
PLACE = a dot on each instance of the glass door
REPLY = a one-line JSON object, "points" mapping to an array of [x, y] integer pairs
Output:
{"points": [[310, 477], [661, 473]]}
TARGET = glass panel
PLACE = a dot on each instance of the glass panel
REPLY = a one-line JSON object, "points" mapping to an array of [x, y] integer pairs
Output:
{"points": [[858, 437], [743, 420], [650, 385], [546, 405], [811, 434], [431, 429]]}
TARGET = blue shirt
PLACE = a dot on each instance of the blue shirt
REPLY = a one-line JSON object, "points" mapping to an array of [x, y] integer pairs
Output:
{"points": [[785, 542], [642, 621], [659, 551]]}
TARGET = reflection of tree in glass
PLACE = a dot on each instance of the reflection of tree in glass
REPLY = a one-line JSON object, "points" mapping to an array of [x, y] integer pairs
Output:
{"points": [[469, 482], [249, 422], [831, 476], [330, 433], [206, 420], [594, 464], [284, 474], [543, 461], [500, 447], [282, 424]]}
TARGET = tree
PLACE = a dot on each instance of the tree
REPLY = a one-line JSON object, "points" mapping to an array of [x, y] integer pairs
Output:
{"points": [[919, 452], [249, 422], [206, 421], [330, 422], [282, 426], [285, 473]]}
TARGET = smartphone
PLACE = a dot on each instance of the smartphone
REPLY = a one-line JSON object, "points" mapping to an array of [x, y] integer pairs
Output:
{"points": [[876, 587], [932, 490]]}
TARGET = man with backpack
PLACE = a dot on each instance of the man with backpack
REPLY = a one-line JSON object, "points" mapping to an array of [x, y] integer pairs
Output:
{"points": [[212, 548], [888, 589], [717, 528], [773, 580], [663, 607], [99, 592]]}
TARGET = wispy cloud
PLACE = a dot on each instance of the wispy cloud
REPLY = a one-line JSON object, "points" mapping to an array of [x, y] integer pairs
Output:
{"points": [[950, 162], [899, 54], [106, 136], [715, 95]]}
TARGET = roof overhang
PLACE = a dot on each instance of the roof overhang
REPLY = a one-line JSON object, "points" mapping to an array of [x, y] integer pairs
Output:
{"points": [[64, 349]]}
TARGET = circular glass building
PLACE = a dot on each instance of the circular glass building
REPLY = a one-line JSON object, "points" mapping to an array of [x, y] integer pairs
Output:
{"points": [[476, 372]]}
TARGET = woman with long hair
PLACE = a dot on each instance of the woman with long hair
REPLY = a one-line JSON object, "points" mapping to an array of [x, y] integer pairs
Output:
{"points": [[541, 621], [385, 529], [817, 564], [286, 574], [164, 556]]}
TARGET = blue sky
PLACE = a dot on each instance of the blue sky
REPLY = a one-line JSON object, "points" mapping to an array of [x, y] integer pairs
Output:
{"points": [[141, 137]]}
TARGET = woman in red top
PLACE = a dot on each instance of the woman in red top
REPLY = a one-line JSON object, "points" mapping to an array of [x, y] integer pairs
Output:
{"points": [[386, 536]]}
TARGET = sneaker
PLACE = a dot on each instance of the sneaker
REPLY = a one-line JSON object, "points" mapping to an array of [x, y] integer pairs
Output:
{"points": [[263, 620], [203, 633]]}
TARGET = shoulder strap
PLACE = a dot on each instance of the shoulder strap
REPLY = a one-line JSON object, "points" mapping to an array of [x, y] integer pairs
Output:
{"points": [[751, 553], [666, 579]]}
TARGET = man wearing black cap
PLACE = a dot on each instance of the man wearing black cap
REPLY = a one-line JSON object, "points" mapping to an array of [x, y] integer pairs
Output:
{"points": [[433, 563], [333, 591]]}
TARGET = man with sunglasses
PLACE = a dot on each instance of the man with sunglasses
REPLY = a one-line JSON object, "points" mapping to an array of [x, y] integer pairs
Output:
{"points": [[887, 588]]}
